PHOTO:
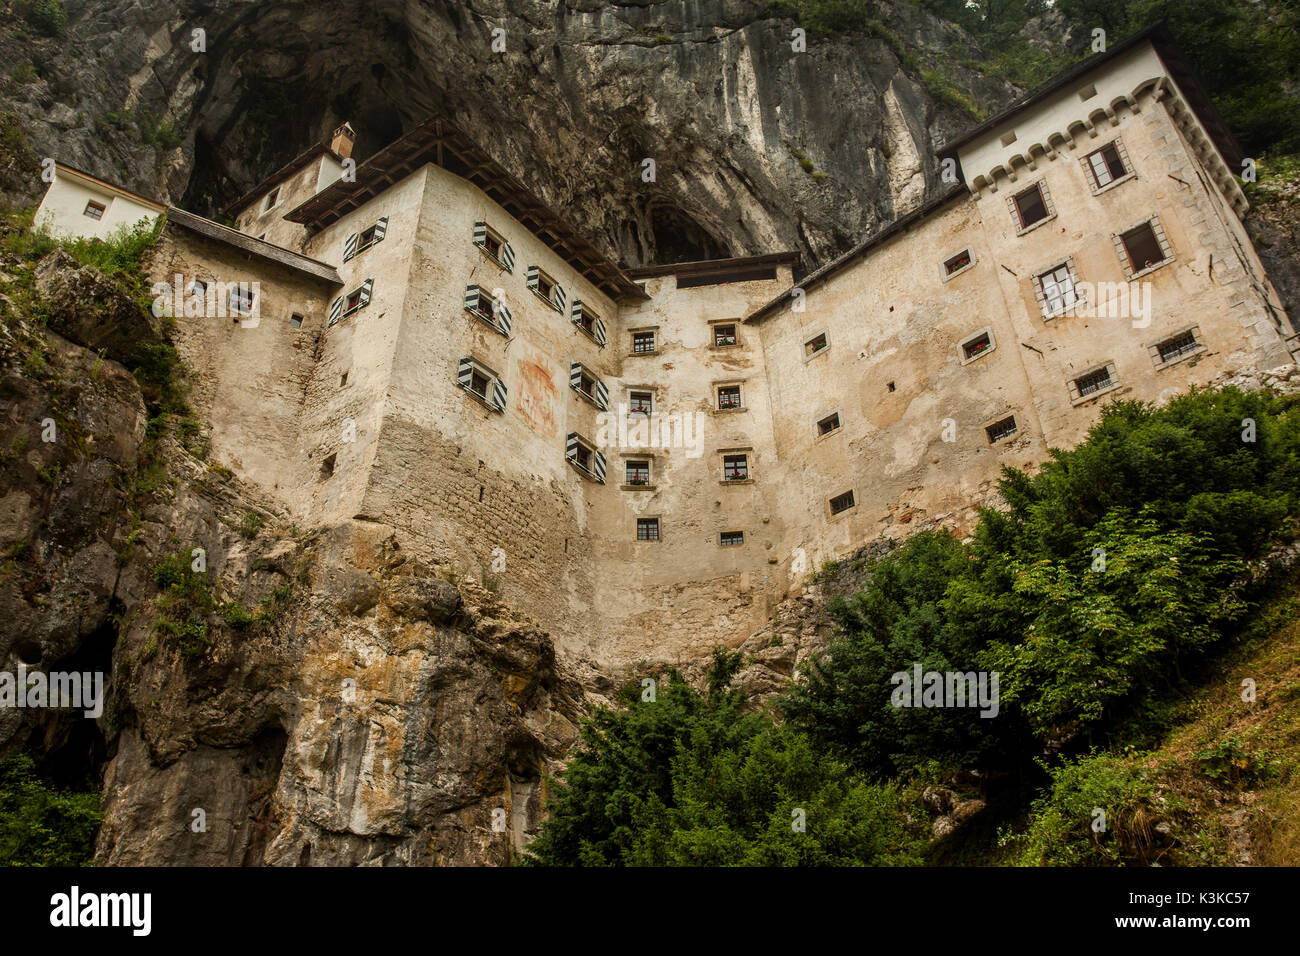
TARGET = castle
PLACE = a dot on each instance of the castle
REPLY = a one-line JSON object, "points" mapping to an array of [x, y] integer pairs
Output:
{"points": [[418, 341]]}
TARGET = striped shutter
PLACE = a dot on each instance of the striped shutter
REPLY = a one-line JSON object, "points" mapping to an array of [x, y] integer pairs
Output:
{"points": [[365, 293], [507, 256], [504, 318], [602, 395], [577, 311], [571, 447], [560, 297], [336, 310], [499, 395], [381, 229], [471, 298], [480, 232], [575, 375], [532, 278], [598, 463], [465, 373], [600, 332], [349, 247]]}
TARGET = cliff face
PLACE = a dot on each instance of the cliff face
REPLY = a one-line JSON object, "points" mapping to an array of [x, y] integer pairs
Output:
{"points": [[757, 148]]}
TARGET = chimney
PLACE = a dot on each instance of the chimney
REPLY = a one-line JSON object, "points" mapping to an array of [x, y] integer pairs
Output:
{"points": [[343, 139]]}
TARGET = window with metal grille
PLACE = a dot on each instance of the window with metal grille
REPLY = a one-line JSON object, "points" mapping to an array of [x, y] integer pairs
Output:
{"points": [[1000, 430], [642, 402], [638, 472], [842, 502], [582, 456], [647, 529], [724, 335], [729, 539], [1093, 381], [643, 342], [815, 344], [976, 346], [729, 396], [478, 383], [958, 262], [735, 468], [1058, 290], [1178, 346], [828, 424], [1142, 247], [1106, 165], [1031, 207]]}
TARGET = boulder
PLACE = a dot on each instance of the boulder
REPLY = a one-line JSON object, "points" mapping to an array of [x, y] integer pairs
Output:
{"points": [[92, 309]]}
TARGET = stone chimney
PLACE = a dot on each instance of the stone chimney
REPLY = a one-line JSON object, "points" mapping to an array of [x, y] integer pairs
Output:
{"points": [[343, 139]]}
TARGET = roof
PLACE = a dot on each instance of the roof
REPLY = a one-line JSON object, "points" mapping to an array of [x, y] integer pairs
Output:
{"points": [[817, 277], [292, 166], [110, 186], [441, 142], [1160, 37], [254, 247], [709, 266]]}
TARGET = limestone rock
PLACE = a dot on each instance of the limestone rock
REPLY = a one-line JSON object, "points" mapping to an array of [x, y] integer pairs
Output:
{"points": [[92, 310], [424, 599]]}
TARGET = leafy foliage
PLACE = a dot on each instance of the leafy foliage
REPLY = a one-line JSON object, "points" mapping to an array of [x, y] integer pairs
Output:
{"points": [[40, 826], [687, 779]]}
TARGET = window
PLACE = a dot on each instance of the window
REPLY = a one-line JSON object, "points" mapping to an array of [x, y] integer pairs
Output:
{"points": [[958, 263], [197, 288], [241, 299], [589, 322], [343, 380], [481, 304], [358, 298], [828, 424], [638, 472], [582, 381], [94, 210], [546, 289], [482, 383], [1176, 347], [642, 402], [583, 456], [814, 345], [729, 396], [1093, 383], [841, 503], [327, 466], [647, 529], [1056, 290], [643, 343], [976, 346], [493, 246], [1105, 165], [735, 468], [368, 237], [724, 335], [1001, 429], [295, 321], [272, 199], [1144, 248], [1031, 207], [729, 539]]}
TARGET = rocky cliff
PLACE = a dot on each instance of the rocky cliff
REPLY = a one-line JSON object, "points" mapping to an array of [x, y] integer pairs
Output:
{"points": [[757, 148]]}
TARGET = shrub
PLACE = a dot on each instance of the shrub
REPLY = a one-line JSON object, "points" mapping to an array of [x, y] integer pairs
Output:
{"points": [[40, 826], [47, 16]]}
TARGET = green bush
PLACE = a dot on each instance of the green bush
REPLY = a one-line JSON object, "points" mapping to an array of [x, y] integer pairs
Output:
{"points": [[1063, 823], [40, 826], [47, 16], [687, 779]]}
